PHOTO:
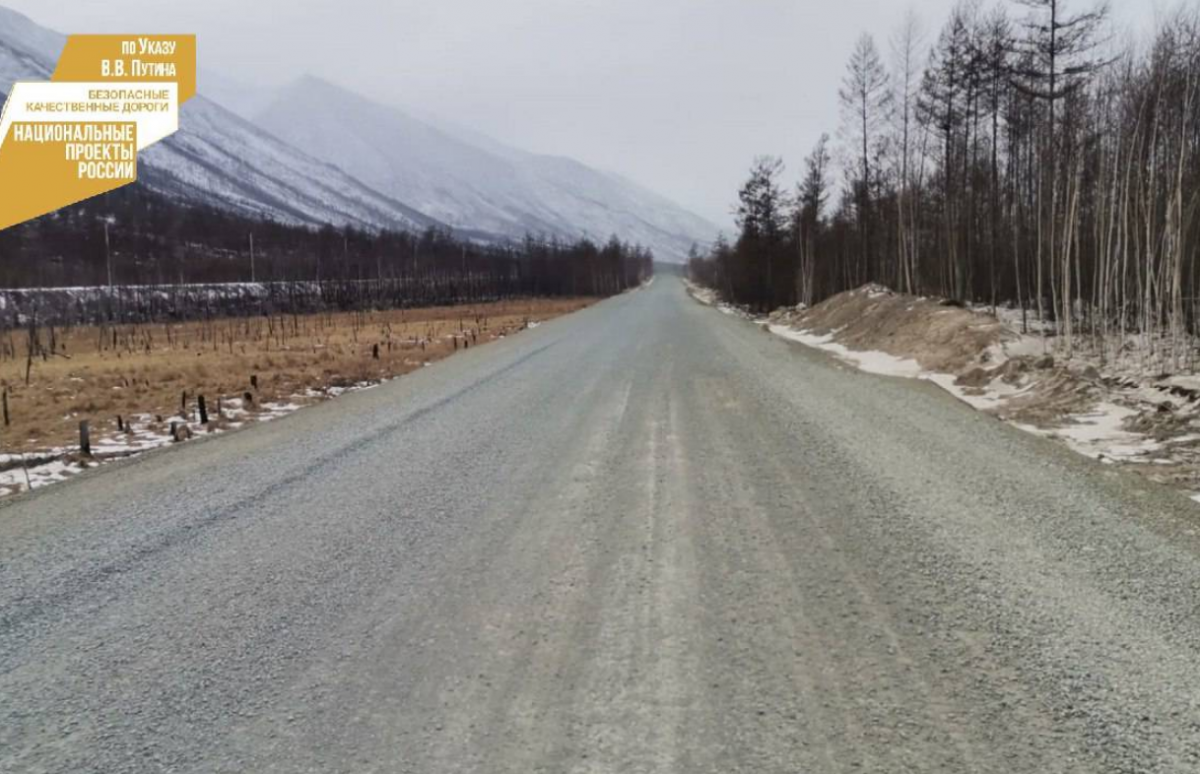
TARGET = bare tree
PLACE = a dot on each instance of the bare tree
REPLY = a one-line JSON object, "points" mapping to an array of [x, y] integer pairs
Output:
{"points": [[811, 196], [865, 100], [762, 218], [1060, 62], [907, 46]]}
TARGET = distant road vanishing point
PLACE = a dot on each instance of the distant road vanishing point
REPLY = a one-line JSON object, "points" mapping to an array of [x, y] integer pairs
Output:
{"points": [[646, 537]]}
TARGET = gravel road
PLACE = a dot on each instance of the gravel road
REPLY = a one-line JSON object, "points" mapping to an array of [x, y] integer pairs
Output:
{"points": [[647, 537]]}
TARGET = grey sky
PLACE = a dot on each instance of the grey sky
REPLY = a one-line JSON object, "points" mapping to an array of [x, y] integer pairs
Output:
{"points": [[677, 94]]}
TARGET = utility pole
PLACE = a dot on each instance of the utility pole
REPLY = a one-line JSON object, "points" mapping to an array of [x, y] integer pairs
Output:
{"points": [[107, 254]]}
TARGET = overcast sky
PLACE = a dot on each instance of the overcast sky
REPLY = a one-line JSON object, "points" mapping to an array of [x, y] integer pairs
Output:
{"points": [[677, 94]]}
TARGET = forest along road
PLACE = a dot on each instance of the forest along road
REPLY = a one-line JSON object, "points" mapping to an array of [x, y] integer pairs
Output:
{"points": [[647, 537]]}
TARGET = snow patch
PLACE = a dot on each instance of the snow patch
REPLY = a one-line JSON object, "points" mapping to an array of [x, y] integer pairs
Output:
{"points": [[1100, 434], [870, 361]]}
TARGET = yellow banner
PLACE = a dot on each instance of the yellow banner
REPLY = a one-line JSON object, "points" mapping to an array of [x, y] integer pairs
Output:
{"points": [[130, 59], [41, 164], [78, 135]]}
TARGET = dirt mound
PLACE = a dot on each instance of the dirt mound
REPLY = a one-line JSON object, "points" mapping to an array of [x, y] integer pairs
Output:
{"points": [[1052, 398], [941, 337], [983, 354], [1012, 372]]}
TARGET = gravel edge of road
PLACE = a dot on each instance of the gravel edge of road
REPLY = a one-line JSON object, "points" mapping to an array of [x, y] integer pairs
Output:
{"points": [[1179, 514]]}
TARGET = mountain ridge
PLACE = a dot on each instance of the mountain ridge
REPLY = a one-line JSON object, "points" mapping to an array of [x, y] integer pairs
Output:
{"points": [[466, 178]]}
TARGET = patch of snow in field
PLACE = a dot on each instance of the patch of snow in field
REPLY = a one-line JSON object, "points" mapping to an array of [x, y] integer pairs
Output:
{"points": [[1100, 434], [334, 392], [18, 479], [1020, 345], [277, 409], [7, 460], [1015, 320], [140, 441]]}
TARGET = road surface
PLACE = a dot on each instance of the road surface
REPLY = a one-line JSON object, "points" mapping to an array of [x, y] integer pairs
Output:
{"points": [[648, 537]]}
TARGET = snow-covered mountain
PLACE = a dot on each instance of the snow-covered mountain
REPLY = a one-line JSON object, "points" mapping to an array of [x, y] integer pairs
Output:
{"points": [[27, 52], [466, 180], [222, 160], [219, 158]]}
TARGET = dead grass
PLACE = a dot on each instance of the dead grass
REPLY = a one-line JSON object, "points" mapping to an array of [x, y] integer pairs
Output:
{"points": [[100, 374]]}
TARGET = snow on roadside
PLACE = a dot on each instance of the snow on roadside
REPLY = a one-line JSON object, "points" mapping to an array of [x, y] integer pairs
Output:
{"points": [[870, 361], [709, 297], [884, 364], [706, 296]]}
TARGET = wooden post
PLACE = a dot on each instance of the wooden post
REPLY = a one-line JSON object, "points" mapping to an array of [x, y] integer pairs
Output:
{"points": [[108, 260], [203, 409], [183, 404], [248, 398], [6, 406], [254, 381], [120, 424], [85, 439], [375, 351], [174, 431]]}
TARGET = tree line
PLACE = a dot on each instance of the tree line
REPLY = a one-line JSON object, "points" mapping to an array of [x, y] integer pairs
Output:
{"points": [[138, 256], [1028, 154]]}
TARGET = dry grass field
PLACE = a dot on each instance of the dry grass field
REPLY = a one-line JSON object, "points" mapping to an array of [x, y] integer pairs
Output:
{"points": [[131, 382]]}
